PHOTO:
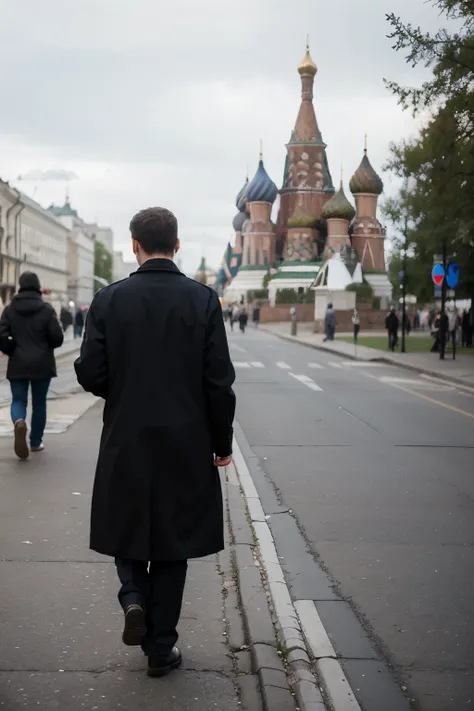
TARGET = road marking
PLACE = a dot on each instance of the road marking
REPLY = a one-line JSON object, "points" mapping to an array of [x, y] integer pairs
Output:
{"points": [[283, 366], [257, 364], [317, 366], [306, 381], [424, 397], [416, 383], [240, 364], [362, 364], [237, 348], [335, 365], [431, 378]]}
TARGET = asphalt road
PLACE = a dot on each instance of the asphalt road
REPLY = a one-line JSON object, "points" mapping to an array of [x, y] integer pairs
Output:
{"points": [[377, 466]]}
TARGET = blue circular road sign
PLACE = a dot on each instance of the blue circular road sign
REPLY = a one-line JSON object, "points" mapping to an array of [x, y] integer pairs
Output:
{"points": [[452, 275], [437, 274]]}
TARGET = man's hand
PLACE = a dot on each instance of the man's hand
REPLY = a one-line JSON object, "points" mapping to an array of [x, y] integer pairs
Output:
{"points": [[222, 461]]}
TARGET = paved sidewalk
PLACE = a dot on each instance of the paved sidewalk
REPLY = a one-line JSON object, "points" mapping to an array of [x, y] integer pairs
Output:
{"points": [[60, 646], [460, 371]]}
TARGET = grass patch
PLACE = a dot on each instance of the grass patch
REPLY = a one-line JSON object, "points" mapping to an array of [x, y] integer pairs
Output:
{"points": [[414, 344]]}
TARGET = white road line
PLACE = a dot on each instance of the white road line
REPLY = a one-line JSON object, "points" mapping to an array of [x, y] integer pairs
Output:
{"points": [[257, 364], [240, 364], [334, 365], [316, 366], [283, 366], [362, 364], [235, 347], [306, 381]]}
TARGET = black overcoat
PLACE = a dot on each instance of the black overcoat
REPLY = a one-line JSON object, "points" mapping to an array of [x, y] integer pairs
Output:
{"points": [[155, 349]]}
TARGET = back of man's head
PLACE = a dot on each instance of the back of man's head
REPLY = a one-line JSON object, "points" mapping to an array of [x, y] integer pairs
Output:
{"points": [[155, 232]]}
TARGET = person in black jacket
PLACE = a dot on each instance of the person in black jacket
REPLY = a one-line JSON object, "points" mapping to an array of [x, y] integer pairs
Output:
{"points": [[155, 349], [29, 333], [392, 324]]}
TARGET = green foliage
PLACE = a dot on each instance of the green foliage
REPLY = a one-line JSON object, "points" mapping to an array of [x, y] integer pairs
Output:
{"points": [[435, 204], [257, 294], [287, 296], [266, 280], [363, 291], [103, 263]]}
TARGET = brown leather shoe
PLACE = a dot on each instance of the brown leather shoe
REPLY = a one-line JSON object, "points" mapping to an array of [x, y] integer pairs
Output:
{"points": [[135, 626]]}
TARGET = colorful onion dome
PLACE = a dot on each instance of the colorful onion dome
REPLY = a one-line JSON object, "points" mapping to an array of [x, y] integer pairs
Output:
{"points": [[365, 179], [261, 188], [302, 217], [338, 207], [241, 195], [238, 221]]}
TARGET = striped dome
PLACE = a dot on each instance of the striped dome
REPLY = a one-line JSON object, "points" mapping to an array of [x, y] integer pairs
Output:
{"points": [[261, 188], [240, 201]]}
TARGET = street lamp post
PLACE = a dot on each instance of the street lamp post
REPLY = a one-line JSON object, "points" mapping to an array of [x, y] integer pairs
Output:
{"points": [[442, 325], [404, 288]]}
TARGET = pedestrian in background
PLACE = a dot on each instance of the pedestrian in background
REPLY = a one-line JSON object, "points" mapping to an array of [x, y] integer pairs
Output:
{"points": [[29, 333], [256, 316], [65, 318], [330, 323], [392, 325], [356, 324], [155, 349], [243, 319], [78, 324]]}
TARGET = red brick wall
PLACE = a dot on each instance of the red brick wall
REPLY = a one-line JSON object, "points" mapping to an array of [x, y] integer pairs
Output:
{"points": [[281, 313]]}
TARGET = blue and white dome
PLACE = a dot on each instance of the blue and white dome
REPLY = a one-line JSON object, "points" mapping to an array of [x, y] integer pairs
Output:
{"points": [[261, 188], [240, 201]]}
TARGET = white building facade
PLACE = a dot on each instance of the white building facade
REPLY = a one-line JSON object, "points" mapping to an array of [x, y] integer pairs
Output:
{"points": [[44, 250], [10, 260]]}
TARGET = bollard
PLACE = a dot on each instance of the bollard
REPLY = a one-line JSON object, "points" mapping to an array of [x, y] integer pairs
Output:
{"points": [[294, 323]]}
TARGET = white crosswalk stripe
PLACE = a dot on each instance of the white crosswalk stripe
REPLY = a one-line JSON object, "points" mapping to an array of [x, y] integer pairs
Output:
{"points": [[283, 366], [257, 364], [335, 365], [240, 364], [306, 381], [316, 366]]}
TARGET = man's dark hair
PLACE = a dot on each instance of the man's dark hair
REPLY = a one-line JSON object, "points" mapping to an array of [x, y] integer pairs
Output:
{"points": [[156, 230], [29, 282]]}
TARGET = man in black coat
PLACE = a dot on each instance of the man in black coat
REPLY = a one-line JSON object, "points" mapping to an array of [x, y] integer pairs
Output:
{"points": [[29, 333], [155, 349]]}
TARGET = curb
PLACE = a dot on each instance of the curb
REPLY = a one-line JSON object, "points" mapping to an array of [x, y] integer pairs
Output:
{"points": [[375, 359], [289, 629]]}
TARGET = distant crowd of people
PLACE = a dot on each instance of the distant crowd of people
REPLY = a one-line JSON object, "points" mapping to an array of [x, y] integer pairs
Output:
{"points": [[238, 314], [457, 325]]}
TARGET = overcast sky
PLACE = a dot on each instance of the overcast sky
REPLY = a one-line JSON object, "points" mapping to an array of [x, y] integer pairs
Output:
{"points": [[164, 102]]}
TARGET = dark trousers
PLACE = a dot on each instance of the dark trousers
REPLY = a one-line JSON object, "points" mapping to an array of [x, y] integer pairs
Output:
{"points": [[159, 588]]}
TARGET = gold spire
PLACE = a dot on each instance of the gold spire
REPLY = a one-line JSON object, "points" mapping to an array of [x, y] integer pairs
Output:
{"points": [[365, 143], [342, 177], [307, 66]]}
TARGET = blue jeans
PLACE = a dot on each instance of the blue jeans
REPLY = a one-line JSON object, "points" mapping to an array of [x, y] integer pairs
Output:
{"points": [[39, 392]]}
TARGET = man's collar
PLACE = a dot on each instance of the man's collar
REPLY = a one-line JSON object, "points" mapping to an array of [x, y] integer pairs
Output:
{"points": [[158, 265]]}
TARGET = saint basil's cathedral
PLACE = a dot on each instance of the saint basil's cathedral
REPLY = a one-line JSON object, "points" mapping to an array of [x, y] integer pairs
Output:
{"points": [[316, 224]]}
